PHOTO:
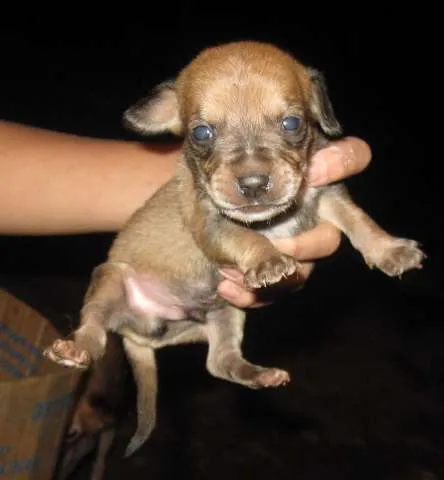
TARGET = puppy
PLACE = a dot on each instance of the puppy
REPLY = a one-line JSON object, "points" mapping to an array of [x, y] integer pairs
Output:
{"points": [[251, 117]]}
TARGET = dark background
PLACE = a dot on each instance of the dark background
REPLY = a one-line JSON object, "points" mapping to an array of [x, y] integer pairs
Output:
{"points": [[364, 351]]}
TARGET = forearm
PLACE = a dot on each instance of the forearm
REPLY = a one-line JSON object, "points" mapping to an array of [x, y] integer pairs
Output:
{"points": [[56, 183]]}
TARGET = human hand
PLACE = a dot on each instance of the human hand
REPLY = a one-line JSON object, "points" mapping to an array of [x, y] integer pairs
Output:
{"points": [[341, 159]]}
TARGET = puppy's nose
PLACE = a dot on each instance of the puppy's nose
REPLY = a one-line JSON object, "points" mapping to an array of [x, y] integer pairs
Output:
{"points": [[253, 186]]}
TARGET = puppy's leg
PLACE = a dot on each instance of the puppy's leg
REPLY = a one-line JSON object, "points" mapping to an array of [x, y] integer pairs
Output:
{"points": [[255, 255], [104, 292], [228, 244], [225, 329], [143, 361], [390, 254]]}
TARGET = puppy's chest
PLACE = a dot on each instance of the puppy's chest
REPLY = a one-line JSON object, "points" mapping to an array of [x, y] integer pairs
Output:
{"points": [[287, 228], [302, 218]]}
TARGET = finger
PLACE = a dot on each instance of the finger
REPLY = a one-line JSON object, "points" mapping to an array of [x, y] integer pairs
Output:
{"points": [[341, 159], [236, 294], [233, 290], [319, 242]]}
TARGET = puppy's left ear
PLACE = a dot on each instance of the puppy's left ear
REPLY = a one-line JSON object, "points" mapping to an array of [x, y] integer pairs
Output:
{"points": [[320, 105], [156, 113]]}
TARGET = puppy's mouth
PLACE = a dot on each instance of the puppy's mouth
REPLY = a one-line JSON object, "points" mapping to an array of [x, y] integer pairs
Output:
{"points": [[257, 207], [253, 208], [255, 211]]}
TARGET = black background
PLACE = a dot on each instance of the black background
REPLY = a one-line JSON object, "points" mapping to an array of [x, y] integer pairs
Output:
{"points": [[364, 350]]}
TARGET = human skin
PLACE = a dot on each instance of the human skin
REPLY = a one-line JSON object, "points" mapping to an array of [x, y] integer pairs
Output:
{"points": [[58, 184]]}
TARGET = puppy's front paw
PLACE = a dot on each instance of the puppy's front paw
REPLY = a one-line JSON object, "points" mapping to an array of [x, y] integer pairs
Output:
{"points": [[65, 353], [400, 256], [271, 271]]}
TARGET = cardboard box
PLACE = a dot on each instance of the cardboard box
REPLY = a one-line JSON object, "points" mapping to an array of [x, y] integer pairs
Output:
{"points": [[36, 395]]}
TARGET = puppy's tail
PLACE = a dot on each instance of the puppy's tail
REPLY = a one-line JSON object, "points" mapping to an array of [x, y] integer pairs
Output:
{"points": [[143, 362]]}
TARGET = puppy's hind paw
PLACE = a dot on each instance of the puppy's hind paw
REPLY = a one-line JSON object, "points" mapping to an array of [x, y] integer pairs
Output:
{"points": [[272, 377], [65, 353]]}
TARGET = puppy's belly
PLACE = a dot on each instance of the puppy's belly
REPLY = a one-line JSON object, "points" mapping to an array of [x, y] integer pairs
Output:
{"points": [[147, 294], [176, 332], [151, 314]]}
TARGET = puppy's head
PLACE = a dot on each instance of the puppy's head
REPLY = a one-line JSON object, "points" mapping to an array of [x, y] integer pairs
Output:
{"points": [[250, 115]]}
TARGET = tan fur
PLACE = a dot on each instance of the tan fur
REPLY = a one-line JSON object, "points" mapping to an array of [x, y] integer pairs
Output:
{"points": [[235, 188]]}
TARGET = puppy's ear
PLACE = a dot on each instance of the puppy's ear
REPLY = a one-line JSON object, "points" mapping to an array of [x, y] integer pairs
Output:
{"points": [[320, 105], [156, 113]]}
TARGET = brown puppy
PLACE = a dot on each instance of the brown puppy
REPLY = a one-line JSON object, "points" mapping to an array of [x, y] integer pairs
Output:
{"points": [[251, 117]]}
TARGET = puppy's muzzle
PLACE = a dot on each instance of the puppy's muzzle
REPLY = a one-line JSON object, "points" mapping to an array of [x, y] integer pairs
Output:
{"points": [[253, 186]]}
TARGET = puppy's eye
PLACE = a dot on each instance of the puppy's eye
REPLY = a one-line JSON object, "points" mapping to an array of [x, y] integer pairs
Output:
{"points": [[291, 124], [202, 133]]}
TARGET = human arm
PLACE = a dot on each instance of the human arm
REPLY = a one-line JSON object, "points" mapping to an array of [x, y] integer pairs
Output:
{"points": [[56, 183]]}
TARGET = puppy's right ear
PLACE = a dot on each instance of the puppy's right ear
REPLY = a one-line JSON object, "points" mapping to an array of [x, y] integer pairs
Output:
{"points": [[156, 113]]}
